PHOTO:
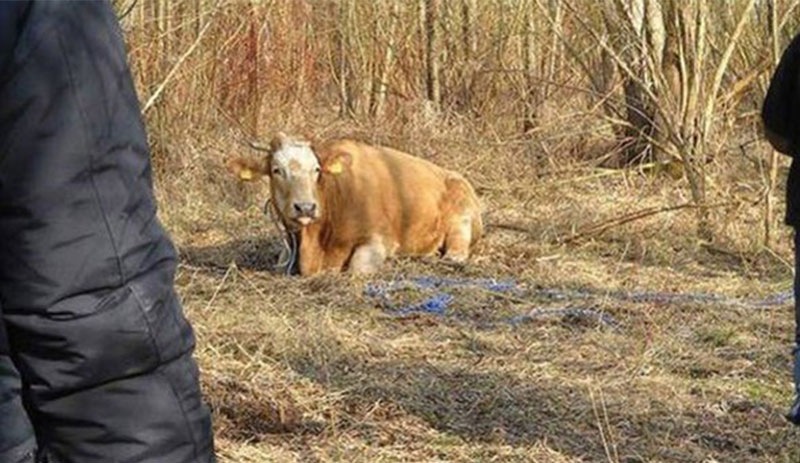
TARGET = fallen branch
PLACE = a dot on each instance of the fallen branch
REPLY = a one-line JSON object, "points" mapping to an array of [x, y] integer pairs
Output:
{"points": [[509, 226], [631, 217]]}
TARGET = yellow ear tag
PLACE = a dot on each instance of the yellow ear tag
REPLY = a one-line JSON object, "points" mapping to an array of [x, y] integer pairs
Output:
{"points": [[335, 168], [246, 174]]}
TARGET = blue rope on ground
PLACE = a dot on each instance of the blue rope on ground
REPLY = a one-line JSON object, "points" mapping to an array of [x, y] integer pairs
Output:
{"points": [[654, 297], [776, 300], [382, 289], [438, 303]]}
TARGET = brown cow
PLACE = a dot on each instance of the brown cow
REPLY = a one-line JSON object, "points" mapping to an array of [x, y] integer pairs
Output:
{"points": [[352, 205]]}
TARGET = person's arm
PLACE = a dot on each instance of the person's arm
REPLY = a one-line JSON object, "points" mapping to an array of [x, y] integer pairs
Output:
{"points": [[780, 114]]}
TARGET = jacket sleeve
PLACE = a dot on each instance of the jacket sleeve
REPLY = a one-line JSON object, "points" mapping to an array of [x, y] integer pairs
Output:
{"points": [[781, 113], [95, 328]]}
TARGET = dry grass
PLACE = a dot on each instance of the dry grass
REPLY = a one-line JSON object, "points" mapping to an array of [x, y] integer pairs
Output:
{"points": [[311, 369]]}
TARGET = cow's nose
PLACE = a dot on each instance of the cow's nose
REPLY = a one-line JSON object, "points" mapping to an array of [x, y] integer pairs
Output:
{"points": [[305, 209]]}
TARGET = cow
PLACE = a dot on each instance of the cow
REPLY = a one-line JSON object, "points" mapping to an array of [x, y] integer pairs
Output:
{"points": [[350, 205]]}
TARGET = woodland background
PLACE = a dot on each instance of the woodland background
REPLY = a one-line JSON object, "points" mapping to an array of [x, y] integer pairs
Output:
{"points": [[617, 147]]}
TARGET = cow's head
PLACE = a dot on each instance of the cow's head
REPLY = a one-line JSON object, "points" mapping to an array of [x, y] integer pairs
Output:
{"points": [[294, 171]]}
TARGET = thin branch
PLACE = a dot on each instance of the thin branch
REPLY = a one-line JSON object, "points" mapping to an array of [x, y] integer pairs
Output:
{"points": [[723, 66], [154, 97], [632, 217], [127, 11]]}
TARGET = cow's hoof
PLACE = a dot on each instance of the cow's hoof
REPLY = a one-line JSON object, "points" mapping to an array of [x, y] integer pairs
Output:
{"points": [[455, 258]]}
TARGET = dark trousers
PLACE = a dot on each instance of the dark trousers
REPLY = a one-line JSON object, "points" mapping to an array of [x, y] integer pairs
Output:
{"points": [[96, 354], [797, 310]]}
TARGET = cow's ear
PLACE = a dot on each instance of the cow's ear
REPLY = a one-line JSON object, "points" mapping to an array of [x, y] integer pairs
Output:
{"points": [[246, 169], [337, 162]]}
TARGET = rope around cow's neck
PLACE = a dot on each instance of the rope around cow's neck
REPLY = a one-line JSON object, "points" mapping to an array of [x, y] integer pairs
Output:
{"points": [[289, 239]]}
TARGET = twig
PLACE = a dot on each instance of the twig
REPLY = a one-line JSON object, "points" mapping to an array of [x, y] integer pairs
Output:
{"points": [[151, 101], [127, 11], [723, 66], [509, 226], [601, 423], [231, 267], [631, 217]]}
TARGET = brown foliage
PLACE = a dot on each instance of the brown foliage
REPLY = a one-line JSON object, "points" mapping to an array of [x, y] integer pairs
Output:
{"points": [[532, 107]]}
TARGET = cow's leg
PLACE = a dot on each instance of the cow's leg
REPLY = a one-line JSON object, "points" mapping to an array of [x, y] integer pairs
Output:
{"points": [[465, 225], [458, 238], [368, 258], [314, 260]]}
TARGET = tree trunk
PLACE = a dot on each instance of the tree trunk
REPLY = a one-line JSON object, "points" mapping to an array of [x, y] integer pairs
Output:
{"points": [[554, 55], [253, 100], [469, 45], [639, 113], [432, 82], [530, 100], [772, 180], [641, 125], [378, 99], [343, 65], [695, 173]]}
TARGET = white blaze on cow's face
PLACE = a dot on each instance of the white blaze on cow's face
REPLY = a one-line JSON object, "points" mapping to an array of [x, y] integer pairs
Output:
{"points": [[294, 173]]}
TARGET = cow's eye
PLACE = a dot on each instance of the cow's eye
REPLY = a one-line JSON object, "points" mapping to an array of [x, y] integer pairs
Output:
{"points": [[317, 169], [276, 171]]}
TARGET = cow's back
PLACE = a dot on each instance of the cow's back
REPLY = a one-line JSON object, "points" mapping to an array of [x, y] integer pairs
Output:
{"points": [[388, 195]]}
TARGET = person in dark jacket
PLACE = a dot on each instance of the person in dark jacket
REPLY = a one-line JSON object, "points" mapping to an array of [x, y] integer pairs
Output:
{"points": [[781, 117], [95, 353]]}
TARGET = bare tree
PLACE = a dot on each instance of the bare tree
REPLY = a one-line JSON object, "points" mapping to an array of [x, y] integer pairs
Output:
{"points": [[772, 179], [433, 90], [343, 65], [469, 51], [388, 34], [530, 101], [672, 81]]}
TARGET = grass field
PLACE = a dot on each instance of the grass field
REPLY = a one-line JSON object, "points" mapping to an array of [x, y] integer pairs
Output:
{"points": [[313, 369], [533, 102]]}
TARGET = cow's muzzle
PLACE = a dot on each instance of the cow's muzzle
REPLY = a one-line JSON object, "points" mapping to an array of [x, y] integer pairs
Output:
{"points": [[305, 210], [304, 213]]}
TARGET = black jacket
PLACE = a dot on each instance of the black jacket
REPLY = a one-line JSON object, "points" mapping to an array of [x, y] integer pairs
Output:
{"points": [[781, 117], [94, 326]]}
